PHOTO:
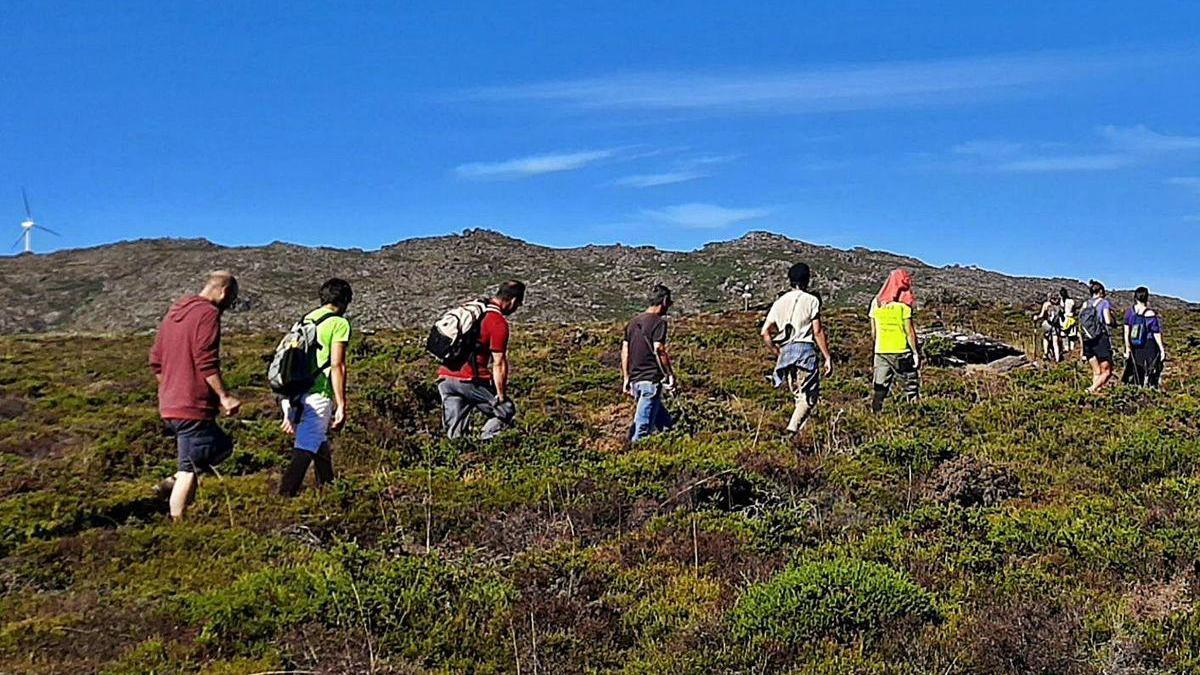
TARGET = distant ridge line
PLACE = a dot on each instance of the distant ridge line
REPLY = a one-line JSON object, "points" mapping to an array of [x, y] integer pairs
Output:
{"points": [[127, 286]]}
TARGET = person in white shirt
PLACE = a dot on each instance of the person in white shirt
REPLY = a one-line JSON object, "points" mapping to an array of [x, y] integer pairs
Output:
{"points": [[793, 331], [1070, 331]]}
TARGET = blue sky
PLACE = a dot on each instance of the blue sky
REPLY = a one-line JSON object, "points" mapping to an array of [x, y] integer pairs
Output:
{"points": [[1046, 138]]}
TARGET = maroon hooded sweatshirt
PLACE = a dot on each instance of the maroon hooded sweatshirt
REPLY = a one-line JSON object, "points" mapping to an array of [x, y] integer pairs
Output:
{"points": [[187, 350]]}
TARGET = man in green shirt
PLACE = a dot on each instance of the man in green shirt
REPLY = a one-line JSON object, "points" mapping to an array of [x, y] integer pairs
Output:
{"points": [[323, 408], [897, 355]]}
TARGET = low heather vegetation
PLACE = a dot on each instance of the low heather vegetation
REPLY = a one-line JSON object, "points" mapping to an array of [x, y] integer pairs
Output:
{"points": [[1004, 524]]}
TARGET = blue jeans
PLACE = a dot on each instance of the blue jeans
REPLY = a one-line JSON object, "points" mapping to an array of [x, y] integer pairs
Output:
{"points": [[650, 415]]}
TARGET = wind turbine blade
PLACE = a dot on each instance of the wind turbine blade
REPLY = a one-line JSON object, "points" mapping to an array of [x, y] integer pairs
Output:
{"points": [[18, 241], [46, 229], [28, 213]]}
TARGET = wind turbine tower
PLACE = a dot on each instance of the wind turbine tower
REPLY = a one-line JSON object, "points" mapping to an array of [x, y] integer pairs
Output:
{"points": [[28, 226]]}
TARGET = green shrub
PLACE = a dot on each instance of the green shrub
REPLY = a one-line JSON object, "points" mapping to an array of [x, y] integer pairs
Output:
{"points": [[936, 348], [835, 598], [419, 607], [1098, 534], [681, 606], [919, 453], [1145, 456], [132, 445], [264, 603], [149, 657], [423, 608]]}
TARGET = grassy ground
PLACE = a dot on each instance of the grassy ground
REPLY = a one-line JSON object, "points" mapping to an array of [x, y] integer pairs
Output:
{"points": [[1004, 524]]}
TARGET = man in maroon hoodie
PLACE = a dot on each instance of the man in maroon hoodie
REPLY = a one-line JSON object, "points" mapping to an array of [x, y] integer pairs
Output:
{"points": [[186, 360]]}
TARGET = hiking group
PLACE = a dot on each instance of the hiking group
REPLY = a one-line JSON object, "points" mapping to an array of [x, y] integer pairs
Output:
{"points": [[470, 343], [1061, 327]]}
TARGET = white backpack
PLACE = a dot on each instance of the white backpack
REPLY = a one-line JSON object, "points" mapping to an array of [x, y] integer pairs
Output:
{"points": [[454, 338]]}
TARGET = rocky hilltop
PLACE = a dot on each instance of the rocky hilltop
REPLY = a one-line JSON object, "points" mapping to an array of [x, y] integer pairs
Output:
{"points": [[127, 286]]}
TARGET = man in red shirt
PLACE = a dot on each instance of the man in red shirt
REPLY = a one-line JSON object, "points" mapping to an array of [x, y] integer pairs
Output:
{"points": [[482, 382], [186, 360]]}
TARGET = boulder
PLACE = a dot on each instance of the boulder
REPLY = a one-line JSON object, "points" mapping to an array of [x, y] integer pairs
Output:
{"points": [[957, 348], [1001, 365]]}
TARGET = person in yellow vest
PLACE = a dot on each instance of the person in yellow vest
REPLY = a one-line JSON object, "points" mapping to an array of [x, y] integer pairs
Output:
{"points": [[897, 352]]}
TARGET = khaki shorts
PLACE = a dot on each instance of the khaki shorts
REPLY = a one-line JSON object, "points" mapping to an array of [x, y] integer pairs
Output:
{"points": [[892, 367]]}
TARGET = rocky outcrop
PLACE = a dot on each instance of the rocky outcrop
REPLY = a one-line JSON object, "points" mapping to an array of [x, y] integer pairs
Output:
{"points": [[956, 348]]}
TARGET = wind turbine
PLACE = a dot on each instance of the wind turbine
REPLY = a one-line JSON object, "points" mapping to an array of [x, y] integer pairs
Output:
{"points": [[28, 226]]}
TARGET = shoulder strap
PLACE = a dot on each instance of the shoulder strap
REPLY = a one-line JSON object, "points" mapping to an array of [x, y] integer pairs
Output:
{"points": [[788, 328], [479, 348], [795, 306], [318, 322]]}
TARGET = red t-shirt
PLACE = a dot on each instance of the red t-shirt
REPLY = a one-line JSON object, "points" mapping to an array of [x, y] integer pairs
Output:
{"points": [[186, 351], [493, 337]]}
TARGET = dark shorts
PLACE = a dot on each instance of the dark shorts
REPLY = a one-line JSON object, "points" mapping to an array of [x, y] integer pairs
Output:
{"points": [[202, 444], [1099, 348]]}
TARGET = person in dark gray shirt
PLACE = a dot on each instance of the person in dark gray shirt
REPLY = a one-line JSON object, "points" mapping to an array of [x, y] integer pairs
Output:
{"points": [[646, 366]]}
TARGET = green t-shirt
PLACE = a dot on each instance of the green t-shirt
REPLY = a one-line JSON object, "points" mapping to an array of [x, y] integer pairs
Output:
{"points": [[334, 329], [891, 334]]}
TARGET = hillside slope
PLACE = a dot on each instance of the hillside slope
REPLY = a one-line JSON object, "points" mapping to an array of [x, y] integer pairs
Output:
{"points": [[127, 286], [1005, 524]]}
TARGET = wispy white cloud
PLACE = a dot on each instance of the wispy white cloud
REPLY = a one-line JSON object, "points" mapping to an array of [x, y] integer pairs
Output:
{"points": [[827, 88], [647, 180], [704, 160], [703, 216], [684, 170], [644, 152], [821, 165], [1190, 182], [1121, 147], [1066, 163], [534, 165], [1141, 140], [988, 149]]}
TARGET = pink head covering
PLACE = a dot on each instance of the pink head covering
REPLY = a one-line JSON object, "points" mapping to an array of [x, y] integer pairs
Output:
{"points": [[898, 287]]}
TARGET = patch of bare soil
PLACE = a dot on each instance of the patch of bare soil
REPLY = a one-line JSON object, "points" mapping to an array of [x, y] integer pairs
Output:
{"points": [[41, 446], [12, 407]]}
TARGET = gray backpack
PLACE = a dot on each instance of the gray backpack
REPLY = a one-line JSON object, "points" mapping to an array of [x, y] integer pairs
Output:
{"points": [[294, 369], [1091, 321]]}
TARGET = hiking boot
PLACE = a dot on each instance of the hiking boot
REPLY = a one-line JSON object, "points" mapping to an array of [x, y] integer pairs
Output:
{"points": [[164, 487]]}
